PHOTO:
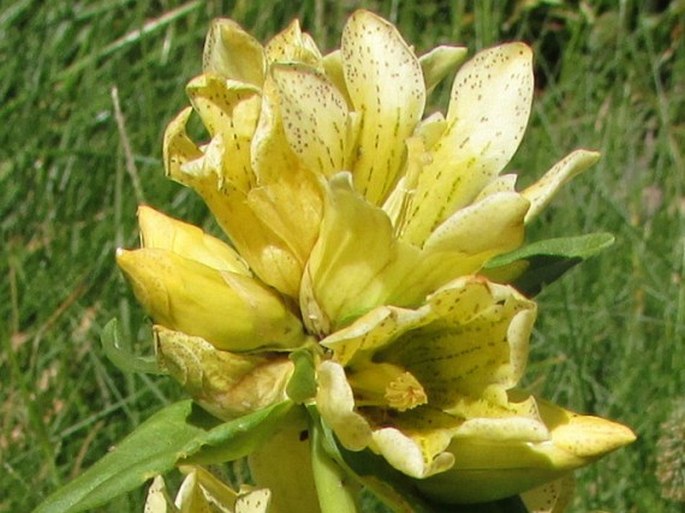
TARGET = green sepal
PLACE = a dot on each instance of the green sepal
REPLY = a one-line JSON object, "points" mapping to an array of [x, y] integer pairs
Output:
{"points": [[535, 265], [123, 359], [181, 432], [302, 384], [337, 488]]}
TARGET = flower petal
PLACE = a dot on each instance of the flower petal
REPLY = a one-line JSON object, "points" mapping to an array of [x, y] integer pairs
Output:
{"points": [[478, 339], [230, 109], [292, 45], [266, 252], [541, 192], [162, 232], [315, 119], [408, 456], [552, 497], [226, 384], [440, 62], [487, 228], [488, 469], [385, 84], [232, 311], [233, 53], [288, 198], [488, 113], [356, 263], [335, 403]]}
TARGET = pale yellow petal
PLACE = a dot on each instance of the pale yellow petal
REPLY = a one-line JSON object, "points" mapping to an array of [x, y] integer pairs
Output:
{"points": [[407, 456], [215, 490], [488, 113], [233, 53], [386, 87], [190, 497], [581, 437], [157, 500], [356, 263], [552, 497], [333, 67], [292, 45], [162, 232], [335, 403], [541, 192], [288, 197], [315, 118], [503, 183], [373, 331], [254, 501], [477, 342], [178, 149], [487, 228], [232, 311], [440, 62], [488, 469], [226, 384], [267, 254], [228, 109]]}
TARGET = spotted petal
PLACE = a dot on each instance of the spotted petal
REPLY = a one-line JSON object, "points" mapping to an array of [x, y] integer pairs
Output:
{"points": [[386, 87], [490, 468], [488, 113]]}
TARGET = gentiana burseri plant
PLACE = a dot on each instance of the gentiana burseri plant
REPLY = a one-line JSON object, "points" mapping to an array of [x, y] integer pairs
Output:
{"points": [[366, 323]]}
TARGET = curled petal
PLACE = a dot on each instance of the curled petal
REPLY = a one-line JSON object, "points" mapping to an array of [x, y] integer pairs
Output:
{"points": [[541, 192], [229, 109], [335, 403], [440, 62], [233, 53], [226, 384], [490, 469]]}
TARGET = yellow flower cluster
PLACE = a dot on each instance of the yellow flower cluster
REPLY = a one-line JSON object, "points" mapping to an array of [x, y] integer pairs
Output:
{"points": [[359, 229]]}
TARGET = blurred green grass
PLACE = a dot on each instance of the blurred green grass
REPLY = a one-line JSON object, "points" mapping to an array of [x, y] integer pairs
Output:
{"points": [[609, 340]]}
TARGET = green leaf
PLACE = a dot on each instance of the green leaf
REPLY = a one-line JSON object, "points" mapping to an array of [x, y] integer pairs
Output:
{"points": [[179, 432], [122, 358], [302, 384], [535, 265]]}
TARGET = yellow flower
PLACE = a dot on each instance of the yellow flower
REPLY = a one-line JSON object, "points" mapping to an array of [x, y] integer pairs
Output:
{"points": [[358, 229], [202, 492]]}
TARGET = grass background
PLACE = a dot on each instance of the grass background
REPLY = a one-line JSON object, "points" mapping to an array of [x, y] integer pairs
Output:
{"points": [[610, 76]]}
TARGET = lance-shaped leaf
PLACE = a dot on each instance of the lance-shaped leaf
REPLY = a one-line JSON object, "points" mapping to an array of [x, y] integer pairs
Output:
{"points": [[177, 433], [540, 263]]}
